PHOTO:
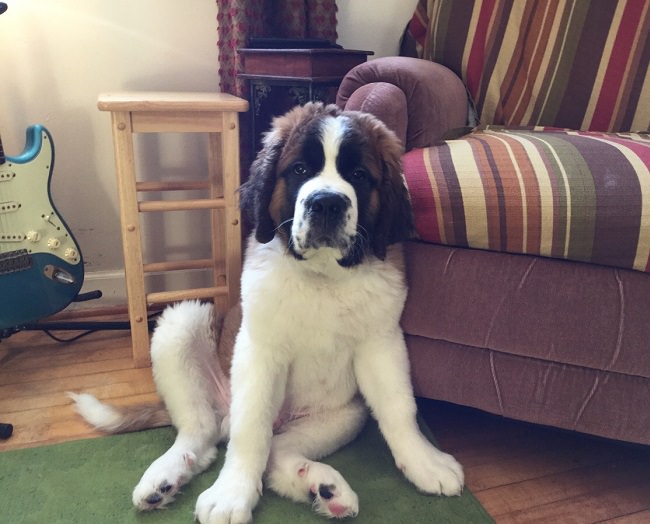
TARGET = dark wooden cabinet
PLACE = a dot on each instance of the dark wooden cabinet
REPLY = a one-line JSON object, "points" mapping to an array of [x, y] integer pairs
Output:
{"points": [[282, 78]]}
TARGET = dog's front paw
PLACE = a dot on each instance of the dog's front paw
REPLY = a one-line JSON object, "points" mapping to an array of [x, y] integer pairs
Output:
{"points": [[331, 495], [433, 471], [230, 500]]}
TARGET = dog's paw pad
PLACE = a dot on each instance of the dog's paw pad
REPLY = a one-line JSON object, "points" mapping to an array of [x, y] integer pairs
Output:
{"points": [[326, 491], [330, 502], [154, 499], [330, 494], [157, 498], [162, 496]]}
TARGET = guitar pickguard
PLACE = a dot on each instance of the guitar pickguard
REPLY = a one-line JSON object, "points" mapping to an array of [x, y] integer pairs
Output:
{"points": [[41, 268]]}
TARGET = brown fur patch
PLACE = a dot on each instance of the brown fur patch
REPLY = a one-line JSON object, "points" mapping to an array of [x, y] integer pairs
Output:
{"points": [[278, 201], [294, 126]]}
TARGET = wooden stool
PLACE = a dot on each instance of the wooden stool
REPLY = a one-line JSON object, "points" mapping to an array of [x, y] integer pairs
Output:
{"points": [[159, 112]]}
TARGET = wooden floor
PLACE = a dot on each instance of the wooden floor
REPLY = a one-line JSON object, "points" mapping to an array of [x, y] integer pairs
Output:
{"points": [[519, 472]]}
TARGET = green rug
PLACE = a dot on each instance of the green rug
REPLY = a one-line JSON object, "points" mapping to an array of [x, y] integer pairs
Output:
{"points": [[90, 482]]}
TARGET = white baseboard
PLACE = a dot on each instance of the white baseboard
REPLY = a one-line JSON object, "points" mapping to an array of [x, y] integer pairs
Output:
{"points": [[112, 285]]}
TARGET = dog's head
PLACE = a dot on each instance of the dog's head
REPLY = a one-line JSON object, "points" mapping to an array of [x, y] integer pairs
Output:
{"points": [[327, 179]]}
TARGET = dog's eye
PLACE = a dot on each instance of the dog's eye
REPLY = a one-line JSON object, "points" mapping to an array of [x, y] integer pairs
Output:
{"points": [[300, 169], [359, 174]]}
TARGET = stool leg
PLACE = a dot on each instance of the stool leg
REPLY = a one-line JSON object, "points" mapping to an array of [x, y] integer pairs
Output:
{"points": [[131, 236], [217, 217], [232, 222]]}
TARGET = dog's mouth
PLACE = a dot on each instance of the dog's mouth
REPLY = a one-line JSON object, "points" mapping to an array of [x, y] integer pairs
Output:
{"points": [[316, 240], [313, 240]]}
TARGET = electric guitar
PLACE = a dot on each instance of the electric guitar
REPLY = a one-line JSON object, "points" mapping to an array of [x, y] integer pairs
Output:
{"points": [[41, 268]]}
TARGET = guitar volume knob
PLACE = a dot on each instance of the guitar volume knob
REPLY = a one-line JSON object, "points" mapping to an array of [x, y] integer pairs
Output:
{"points": [[53, 243], [71, 254], [33, 236]]}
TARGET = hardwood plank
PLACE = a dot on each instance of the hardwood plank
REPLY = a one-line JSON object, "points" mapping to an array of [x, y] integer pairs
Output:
{"points": [[60, 423], [573, 483], [584, 467], [28, 351], [600, 505], [107, 392], [84, 381], [524, 462], [38, 374]]}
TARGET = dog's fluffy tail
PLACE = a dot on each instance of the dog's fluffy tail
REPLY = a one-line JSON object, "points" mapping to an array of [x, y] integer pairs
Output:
{"points": [[119, 419], [184, 325]]}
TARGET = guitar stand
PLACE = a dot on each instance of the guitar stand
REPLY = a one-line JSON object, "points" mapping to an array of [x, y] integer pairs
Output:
{"points": [[88, 326]]}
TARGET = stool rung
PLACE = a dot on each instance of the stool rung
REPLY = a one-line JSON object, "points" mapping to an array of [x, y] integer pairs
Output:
{"points": [[181, 205], [176, 185], [180, 265], [186, 294]]}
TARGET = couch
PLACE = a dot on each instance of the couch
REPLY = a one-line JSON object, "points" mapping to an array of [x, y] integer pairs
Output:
{"points": [[525, 126]]}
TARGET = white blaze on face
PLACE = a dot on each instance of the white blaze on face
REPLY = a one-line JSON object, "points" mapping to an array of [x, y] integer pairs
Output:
{"points": [[328, 180]]}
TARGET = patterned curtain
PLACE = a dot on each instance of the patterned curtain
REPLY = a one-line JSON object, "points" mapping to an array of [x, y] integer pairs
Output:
{"points": [[238, 20]]}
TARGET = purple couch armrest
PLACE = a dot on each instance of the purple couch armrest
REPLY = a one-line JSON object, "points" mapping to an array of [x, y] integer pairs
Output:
{"points": [[418, 99]]}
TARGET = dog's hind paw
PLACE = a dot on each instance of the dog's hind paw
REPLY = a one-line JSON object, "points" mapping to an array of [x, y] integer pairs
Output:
{"points": [[163, 479], [331, 495]]}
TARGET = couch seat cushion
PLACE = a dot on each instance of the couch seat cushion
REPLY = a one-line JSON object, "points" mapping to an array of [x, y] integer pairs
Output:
{"points": [[582, 196]]}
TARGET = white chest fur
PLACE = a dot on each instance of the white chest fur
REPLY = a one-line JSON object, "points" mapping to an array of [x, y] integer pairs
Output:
{"points": [[315, 314]]}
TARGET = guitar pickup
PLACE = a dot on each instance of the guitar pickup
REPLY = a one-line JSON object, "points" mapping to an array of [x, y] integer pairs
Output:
{"points": [[8, 207], [8, 237], [6, 176]]}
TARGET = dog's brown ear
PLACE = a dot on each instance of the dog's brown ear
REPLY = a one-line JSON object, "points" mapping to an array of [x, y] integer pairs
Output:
{"points": [[257, 191], [395, 222]]}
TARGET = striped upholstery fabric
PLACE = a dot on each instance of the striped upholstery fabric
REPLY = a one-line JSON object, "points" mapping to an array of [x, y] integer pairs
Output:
{"points": [[582, 196], [573, 64]]}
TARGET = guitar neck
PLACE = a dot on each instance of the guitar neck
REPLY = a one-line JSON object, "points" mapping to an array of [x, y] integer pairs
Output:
{"points": [[2, 153]]}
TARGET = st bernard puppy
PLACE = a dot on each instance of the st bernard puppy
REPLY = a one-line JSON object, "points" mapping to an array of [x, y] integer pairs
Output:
{"points": [[320, 342]]}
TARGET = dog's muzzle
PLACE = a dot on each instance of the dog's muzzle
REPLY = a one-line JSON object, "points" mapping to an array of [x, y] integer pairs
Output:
{"points": [[325, 221]]}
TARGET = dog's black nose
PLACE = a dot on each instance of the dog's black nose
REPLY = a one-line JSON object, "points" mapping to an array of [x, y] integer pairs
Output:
{"points": [[328, 204]]}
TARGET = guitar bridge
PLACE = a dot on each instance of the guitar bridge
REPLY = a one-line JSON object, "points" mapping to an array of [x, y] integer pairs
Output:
{"points": [[14, 261]]}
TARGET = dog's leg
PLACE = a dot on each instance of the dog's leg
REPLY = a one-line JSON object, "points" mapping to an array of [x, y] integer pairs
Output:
{"points": [[183, 354], [292, 471], [258, 388], [382, 371]]}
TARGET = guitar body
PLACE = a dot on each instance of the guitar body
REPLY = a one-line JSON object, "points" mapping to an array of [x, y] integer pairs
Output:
{"points": [[41, 268]]}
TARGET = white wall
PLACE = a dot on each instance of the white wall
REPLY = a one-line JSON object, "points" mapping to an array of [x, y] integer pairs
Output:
{"points": [[373, 25], [60, 54]]}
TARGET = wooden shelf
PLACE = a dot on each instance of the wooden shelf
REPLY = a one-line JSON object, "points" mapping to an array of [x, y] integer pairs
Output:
{"points": [[301, 63]]}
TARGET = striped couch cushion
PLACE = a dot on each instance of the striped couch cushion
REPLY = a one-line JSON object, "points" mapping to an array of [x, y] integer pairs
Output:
{"points": [[564, 63], [582, 196]]}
